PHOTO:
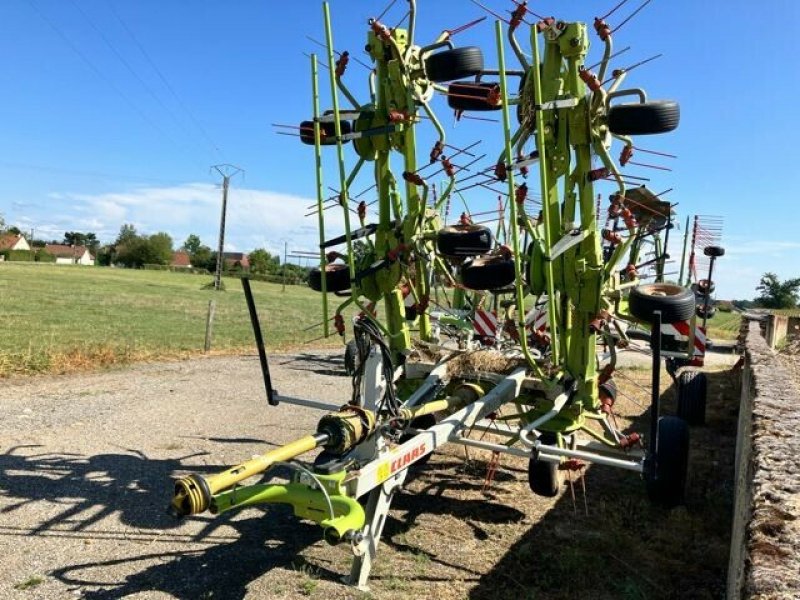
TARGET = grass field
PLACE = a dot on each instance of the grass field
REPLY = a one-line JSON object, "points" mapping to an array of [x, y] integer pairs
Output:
{"points": [[63, 318], [724, 325]]}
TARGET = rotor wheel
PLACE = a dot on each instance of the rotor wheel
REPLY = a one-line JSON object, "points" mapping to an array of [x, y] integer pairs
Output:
{"points": [[327, 132], [475, 96], [456, 63], [488, 273], [337, 278], [645, 118], [460, 241]]}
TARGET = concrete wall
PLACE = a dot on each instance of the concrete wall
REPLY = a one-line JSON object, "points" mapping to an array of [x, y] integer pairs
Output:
{"points": [[765, 544], [777, 329]]}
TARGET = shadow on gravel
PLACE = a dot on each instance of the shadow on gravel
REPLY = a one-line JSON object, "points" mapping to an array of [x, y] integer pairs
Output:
{"points": [[221, 571], [91, 488], [626, 547], [321, 364]]}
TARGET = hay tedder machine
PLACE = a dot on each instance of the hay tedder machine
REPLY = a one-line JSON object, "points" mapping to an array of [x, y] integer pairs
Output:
{"points": [[460, 329]]}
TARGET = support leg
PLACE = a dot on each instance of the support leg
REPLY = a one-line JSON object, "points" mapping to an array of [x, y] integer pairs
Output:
{"points": [[378, 503]]}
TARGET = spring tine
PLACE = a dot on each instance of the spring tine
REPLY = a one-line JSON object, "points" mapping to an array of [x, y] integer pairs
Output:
{"points": [[385, 10], [452, 32], [615, 55], [491, 12], [612, 11], [648, 166], [633, 14], [654, 152]]}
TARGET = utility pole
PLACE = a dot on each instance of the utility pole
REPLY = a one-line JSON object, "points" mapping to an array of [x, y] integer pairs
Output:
{"points": [[227, 171], [285, 246]]}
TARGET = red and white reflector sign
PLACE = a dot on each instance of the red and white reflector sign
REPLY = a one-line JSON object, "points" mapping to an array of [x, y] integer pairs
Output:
{"points": [[485, 323]]}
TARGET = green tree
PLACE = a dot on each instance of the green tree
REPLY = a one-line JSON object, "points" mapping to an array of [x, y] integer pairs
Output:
{"points": [[14, 229], [137, 250], [777, 294], [127, 233], [262, 262], [74, 238], [192, 244], [158, 249], [201, 258]]}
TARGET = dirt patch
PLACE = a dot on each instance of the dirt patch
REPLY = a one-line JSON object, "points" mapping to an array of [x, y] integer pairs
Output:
{"points": [[86, 462]]}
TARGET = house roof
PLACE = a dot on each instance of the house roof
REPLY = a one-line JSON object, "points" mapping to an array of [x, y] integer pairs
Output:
{"points": [[63, 250], [9, 240], [181, 259]]}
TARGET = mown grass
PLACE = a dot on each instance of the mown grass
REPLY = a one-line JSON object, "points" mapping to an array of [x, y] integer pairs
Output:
{"points": [[63, 318], [724, 325]]}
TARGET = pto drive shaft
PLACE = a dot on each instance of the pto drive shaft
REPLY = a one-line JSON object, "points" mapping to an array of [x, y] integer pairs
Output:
{"points": [[336, 432]]}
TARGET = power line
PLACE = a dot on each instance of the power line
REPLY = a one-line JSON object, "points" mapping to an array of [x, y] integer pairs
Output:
{"points": [[100, 74], [164, 80], [132, 71]]}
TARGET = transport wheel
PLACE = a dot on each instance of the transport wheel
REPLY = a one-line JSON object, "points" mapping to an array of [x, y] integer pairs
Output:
{"points": [[468, 95], [327, 132], [454, 64], [337, 278], [487, 273], [544, 478], [675, 302], [692, 391], [715, 251], [658, 116], [351, 357], [464, 240], [666, 484]]}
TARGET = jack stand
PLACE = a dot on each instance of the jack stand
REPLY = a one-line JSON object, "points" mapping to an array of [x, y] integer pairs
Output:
{"points": [[655, 397], [378, 503]]}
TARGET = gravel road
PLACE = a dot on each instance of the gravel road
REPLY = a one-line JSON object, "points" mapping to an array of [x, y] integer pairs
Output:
{"points": [[85, 468], [86, 463]]}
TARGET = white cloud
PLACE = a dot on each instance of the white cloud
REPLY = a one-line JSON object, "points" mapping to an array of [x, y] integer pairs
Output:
{"points": [[255, 217]]}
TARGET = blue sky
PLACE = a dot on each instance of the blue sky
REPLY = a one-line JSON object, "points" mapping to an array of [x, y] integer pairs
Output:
{"points": [[94, 136]]}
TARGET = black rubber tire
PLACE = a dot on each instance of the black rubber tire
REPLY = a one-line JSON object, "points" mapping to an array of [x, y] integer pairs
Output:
{"points": [[337, 278], [675, 302], [692, 392], [702, 287], [464, 240], [351, 357], [468, 95], [667, 485], [544, 478], [709, 314], [715, 251], [327, 132], [488, 273], [457, 63], [657, 116]]}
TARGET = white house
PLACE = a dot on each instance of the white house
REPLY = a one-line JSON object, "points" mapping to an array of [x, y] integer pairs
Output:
{"points": [[13, 241], [70, 255]]}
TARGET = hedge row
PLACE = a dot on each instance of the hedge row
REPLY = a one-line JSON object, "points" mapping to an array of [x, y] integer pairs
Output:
{"points": [[189, 270], [27, 256]]}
